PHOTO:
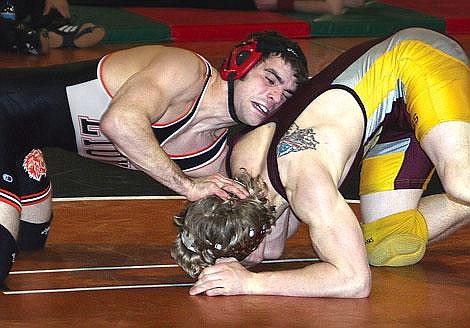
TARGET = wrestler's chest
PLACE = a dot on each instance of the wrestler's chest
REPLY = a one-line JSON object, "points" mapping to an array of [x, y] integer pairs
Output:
{"points": [[189, 140]]}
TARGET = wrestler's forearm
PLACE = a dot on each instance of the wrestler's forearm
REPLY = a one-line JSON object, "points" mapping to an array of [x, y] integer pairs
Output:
{"points": [[134, 139], [316, 280]]}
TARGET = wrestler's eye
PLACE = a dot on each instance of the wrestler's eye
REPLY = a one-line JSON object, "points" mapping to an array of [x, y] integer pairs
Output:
{"points": [[270, 81]]}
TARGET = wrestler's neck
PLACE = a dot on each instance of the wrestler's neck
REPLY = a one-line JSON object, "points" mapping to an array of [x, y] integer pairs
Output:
{"points": [[214, 106]]}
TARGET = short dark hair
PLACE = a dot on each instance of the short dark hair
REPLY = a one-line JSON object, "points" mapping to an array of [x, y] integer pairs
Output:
{"points": [[212, 228], [288, 49]]}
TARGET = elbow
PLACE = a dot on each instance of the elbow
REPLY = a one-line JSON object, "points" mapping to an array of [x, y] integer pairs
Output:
{"points": [[362, 289], [109, 124], [360, 285]]}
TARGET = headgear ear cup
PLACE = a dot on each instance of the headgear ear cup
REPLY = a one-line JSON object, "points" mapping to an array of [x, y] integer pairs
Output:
{"points": [[241, 60]]}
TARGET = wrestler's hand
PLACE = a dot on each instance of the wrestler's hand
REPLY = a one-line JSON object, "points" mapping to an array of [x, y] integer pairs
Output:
{"points": [[226, 277], [265, 5], [217, 185], [62, 6]]}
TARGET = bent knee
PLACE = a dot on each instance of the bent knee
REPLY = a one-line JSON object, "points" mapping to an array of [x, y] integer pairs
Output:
{"points": [[456, 188], [396, 240], [33, 236]]}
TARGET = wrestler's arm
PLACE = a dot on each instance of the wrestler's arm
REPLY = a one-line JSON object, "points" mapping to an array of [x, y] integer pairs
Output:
{"points": [[143, 99], [311, 181], [336, 238]]}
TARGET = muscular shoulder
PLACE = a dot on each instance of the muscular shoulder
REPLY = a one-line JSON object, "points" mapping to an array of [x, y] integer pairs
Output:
{"points": [[323, 139], [174, 70], [250, 150], [332, 107]]}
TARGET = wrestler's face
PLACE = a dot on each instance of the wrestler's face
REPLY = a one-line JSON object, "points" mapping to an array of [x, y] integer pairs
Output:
{"points": [[263, 90]]}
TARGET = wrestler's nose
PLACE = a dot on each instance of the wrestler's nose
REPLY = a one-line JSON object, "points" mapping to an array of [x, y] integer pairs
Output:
{"points": [[275, 95]]}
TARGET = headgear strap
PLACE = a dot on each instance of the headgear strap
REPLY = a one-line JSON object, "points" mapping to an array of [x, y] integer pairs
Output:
{"points": [[231, 106]]}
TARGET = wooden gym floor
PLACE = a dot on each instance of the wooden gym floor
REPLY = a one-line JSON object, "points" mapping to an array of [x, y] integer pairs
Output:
{"points": [[107, 261]]}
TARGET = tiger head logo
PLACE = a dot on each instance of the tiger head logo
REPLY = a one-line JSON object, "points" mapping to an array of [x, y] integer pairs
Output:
{"points": [[35, 165]]}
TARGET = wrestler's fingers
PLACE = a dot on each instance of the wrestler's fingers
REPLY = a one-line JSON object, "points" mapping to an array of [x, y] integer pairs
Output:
{"points": [[204, 283], [216, 291], [221, 193], [232, 186], [238, 191], [199, 289]]}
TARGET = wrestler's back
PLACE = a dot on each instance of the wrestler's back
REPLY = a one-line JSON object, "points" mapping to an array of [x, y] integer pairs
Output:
{"points": [[121, 65]]}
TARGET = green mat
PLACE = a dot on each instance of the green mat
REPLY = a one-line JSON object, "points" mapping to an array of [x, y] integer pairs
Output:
{"points": [[122, 26], [374, 20]]}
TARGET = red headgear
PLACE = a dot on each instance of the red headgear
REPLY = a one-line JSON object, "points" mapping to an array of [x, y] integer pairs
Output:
{"points": [[241, 60]]}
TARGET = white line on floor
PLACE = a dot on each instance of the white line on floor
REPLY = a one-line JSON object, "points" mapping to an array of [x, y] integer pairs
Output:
{"points": [[78, 199], [153, 266], [86, 289], [150, 266], [99, 288]]}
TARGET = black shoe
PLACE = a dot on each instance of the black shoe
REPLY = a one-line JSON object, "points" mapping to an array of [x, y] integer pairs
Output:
{"points": [[19, 38], [7, 10]]}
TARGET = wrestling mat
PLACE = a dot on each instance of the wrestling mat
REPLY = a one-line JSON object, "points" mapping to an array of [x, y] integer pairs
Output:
{"points": [[377, 18]]}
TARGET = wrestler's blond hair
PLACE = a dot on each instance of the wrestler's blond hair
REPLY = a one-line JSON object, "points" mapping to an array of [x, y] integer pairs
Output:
{"points": [[212, 228]]}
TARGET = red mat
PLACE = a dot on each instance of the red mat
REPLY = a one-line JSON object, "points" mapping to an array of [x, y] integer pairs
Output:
{"points": [[455, 12], [206, 24]]}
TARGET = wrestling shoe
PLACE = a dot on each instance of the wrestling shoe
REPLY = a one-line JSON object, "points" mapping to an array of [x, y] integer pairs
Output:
{"points": [[7, 10], [63, 33], [22, 38]]}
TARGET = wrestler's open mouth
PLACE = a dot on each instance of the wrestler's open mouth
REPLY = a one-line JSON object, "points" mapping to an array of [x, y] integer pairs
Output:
{"points": [[261, 108]]}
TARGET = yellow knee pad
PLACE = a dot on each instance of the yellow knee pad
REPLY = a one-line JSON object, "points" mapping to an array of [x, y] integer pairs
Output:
{"points": [[396, 240]]}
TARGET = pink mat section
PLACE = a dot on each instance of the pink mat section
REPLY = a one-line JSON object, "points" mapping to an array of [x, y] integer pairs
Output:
{"points": [[455, 12], [206, 24]]}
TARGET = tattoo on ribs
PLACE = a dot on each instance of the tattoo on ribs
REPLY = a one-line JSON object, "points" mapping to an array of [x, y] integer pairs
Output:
{"points": [[296, 140]]}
